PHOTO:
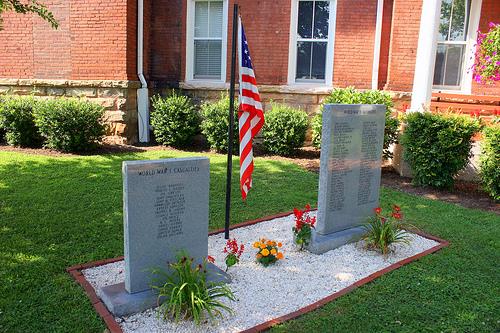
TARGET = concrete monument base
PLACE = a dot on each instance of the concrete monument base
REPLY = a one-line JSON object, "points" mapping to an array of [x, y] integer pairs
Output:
{"points": [[122, 303], [324, 243]]}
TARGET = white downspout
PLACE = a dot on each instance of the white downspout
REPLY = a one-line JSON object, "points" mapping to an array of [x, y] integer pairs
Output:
{"points": [[142, 93], [376, 48]]}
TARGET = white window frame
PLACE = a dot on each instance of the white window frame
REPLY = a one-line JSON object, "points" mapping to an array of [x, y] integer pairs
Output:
{"points": [[466, 84], [190, 44], [292, 55]]}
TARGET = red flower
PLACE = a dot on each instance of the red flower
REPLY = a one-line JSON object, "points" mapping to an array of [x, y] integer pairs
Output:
{"points": [[397, 216], [378, 210], [211, 259], [396, 208]]}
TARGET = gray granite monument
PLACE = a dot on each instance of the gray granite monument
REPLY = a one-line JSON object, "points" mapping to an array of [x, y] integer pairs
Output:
{"points": [[350, 167], [165, 210]]}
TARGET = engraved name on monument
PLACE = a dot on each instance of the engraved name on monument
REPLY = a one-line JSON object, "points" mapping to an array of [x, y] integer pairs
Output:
{"points": [[350, 167]]}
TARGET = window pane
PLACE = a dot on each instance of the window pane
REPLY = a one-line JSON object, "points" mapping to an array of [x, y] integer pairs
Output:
{"points": [[304, 50], [439, 67], [321, 16], [449, 62], [453, 70], [454, 20], [318, 60], [215, 29], [304, 25], [201, 19], [207, 59]]}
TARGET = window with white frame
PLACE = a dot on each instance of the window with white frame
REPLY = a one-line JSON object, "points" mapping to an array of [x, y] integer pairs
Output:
{"points": [[452, 44], [206, 45], [311, 44]]}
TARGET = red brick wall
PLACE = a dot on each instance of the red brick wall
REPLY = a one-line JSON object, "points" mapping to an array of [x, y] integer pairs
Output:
{"points": [[404, 41], [91, 42], [385, 43], [490, 12], [354, 41], [16, 46]]}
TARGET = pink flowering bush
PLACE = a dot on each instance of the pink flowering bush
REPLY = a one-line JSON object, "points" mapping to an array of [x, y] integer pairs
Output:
{"points": [[487, 58]]}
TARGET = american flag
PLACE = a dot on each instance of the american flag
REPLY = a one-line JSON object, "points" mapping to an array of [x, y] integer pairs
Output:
{"points": [[251, 115]]}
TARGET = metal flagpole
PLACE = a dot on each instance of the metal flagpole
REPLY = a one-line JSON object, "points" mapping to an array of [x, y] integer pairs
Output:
{"points": [[231, 122]]}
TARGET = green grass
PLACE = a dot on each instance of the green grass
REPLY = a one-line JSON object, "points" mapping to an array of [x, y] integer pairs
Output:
{"points": [[57, 212]]}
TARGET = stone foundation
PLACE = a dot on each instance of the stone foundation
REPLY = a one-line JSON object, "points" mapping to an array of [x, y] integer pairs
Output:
{"points": [[119, 98]]}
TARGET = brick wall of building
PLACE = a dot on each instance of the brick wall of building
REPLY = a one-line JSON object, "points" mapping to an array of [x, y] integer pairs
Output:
{"points": [[403, 44], [354, 42], [91, 42]]}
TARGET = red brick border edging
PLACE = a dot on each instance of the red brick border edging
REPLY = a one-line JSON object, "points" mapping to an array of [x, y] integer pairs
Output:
{"points": [[76, 273]]}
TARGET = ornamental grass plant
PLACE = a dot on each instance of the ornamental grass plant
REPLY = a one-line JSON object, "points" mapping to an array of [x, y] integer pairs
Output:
{"points": [[382, 231], [188, 295]]}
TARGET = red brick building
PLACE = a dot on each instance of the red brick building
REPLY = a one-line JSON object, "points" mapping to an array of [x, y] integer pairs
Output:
{"points": [[300, 50]]}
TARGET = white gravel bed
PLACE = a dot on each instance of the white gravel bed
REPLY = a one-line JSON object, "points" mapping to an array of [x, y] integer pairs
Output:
{"points": [[264, 293]]}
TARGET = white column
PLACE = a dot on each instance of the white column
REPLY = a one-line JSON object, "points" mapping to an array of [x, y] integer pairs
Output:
{"points": [[376, 49], [426, 55]]}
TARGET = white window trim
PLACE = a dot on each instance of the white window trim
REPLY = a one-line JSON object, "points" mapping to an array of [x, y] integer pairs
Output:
{"points": [[190, 44], [292, 49], [466, 86]]}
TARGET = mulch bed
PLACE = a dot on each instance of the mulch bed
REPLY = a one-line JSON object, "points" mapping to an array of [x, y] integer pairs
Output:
{"points": [[466, 194]]}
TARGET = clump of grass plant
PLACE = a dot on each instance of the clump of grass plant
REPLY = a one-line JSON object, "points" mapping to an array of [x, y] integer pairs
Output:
{"points": [[382, 231], [188, 295]]}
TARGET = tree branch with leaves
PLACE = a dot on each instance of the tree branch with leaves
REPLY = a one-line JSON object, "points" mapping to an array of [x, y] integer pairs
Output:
{"points": [[26, 7]]}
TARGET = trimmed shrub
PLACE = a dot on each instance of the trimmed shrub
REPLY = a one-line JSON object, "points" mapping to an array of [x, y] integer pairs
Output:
{"points": [[284, 129], [437, 146], [215, 124], [490, 161], [350, 95], [18, 121], [70, 124], [174, 120]]}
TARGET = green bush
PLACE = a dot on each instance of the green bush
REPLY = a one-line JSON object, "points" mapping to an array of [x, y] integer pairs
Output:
{"points": [[437, 146], [352, 96], [18, 122], [215, 124], [490, 161], [174, 120], [70, 124], [284, 129]]}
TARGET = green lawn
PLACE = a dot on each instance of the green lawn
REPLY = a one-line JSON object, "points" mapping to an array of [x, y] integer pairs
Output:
{"points": [[57, 212]]}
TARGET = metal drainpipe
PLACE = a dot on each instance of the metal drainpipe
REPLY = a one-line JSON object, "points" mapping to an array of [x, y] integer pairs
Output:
{"points": [[142, 93]]}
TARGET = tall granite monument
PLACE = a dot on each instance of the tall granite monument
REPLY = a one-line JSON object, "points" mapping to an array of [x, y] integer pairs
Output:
{"points": [[350, 167], [165, 210]]}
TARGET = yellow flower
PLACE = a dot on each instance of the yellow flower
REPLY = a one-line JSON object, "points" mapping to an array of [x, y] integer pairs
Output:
{"points": [[273, 252], [265, 252], [256, 244]]}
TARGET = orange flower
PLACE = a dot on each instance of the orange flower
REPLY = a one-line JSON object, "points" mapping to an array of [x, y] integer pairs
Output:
{"points": [[280, 245], [273, 252], [256, 245], [269, 243], [262, 240], [259, 255], [280, 256], [262, 246]]}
